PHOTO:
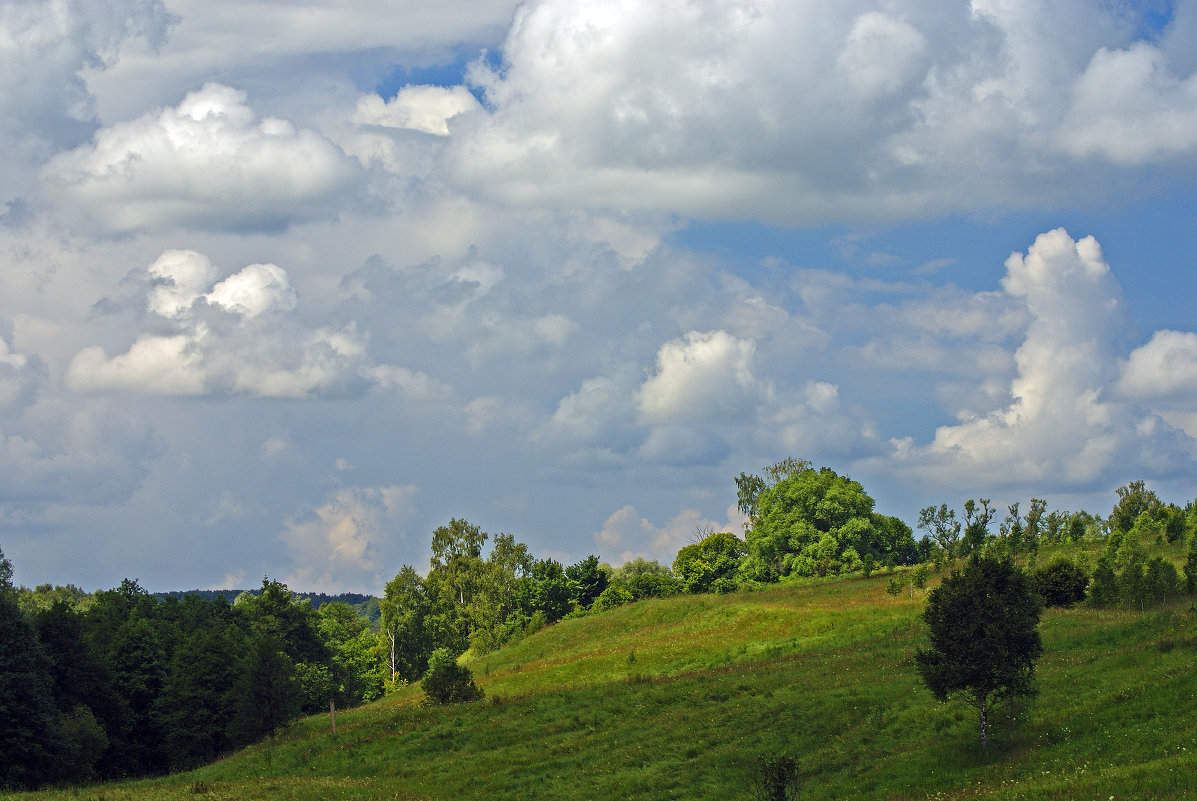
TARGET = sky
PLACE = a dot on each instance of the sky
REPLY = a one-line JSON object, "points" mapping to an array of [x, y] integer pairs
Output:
{"points": [[285, 286]]}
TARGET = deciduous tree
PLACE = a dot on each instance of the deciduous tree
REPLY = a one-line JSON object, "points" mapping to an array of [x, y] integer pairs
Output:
{"points": [[984, 631]]}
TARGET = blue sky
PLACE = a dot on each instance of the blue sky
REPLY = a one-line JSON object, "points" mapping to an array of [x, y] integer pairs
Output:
{"points": [[286, 286]]}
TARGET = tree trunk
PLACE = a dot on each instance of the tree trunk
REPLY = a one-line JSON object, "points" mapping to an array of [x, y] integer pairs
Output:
{"points": [[332, 714], [984, 723], [391, 637]]}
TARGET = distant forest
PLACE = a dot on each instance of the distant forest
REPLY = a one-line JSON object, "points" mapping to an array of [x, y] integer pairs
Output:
{"points": [[367, 605]]}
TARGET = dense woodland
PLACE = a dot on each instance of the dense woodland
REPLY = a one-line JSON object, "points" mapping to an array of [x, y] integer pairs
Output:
{"points": [[122, 683]]}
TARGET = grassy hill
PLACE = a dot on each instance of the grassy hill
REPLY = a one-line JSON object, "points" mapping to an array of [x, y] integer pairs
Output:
{"points": [[676, 698]]}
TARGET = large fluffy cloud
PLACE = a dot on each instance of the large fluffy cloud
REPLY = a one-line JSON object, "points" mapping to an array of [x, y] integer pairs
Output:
{"points": [[1061, 428], [238, 337], [46, 47], [804, 112], [209, 163]]}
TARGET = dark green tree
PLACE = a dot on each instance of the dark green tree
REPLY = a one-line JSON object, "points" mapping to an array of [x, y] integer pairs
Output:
{"points": [[354, 668], [1060, 583], [1191, 566], [447, 682], [196, 706], [547, 591], [587, 580], [267, 697], [984, 632], [1134, 499], [138, 663], [81, 681], [1161, 581], [31, 748], [292, 621], [1104, 590]]}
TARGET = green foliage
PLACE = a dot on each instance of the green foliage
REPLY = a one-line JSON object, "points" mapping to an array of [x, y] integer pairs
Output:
{"points": [[943, 527], [356, 670], [406, 639], [267, 696], [612, 597], [587, 580], [805, 522], [448, 682], [1161, 581], [984, 636], [31, 748], [734, 674], [84, 742], [1104, 590], [709, 565], [197, 705], [918, 577], [1060, 583], [1191, 566], [894, 585], [1134, 500]]}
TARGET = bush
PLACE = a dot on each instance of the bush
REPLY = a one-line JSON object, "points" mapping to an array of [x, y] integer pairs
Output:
{"points": [[1060, 583], [613, 596], [447, 682], [775, 778]]}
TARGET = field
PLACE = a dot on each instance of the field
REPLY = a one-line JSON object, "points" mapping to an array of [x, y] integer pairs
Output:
{"points": [[677, 698]]}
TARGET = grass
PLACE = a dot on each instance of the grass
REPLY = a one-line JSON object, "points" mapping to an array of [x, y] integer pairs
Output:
{"points": [[674, 699]]}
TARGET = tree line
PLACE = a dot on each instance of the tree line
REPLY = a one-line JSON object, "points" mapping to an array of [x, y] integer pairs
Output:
{"points": [[123, 683], [119, 683]]}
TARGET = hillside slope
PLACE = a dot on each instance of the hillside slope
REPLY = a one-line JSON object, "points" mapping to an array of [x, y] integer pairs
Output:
{"points": [[676, 698]]}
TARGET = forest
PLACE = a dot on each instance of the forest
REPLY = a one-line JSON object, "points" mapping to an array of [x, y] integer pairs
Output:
{"points": [[121, 683]]}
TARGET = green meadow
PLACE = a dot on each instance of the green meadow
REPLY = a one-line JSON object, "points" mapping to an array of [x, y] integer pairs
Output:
{"points": [[678, 698]]}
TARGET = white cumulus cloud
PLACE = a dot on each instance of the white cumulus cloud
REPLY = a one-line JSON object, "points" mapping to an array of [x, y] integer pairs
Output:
{"points": [[209, 163], [263, 353], [1060, 428], [702, 376]]}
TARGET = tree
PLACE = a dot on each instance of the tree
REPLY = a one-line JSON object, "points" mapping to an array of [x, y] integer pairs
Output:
{"points": [[1104, 591], [267, 696], [447, 682], [1060, 583], [1191, 566], [615, 595], [711, 564], [30, 746], [455, 576], [943, 526], [587, 580], [196, 706], [984, 629], [405, 605], [1134, 499], [355, 670], [818, 522]]}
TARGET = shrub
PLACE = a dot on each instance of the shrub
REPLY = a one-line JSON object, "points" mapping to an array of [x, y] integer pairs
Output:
{"points": [[1060, 583], [775, 778], [447, 682], [613, 596]]}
